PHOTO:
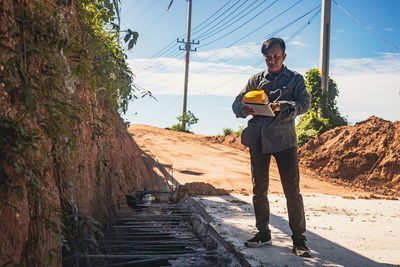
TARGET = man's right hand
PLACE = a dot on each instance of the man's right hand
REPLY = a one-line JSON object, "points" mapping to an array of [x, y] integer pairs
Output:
{"points": [[246, 110]]}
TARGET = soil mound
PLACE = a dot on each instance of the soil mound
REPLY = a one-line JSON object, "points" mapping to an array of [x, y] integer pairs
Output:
{"points": [[231, 140], [199, 189], [366, 155]]}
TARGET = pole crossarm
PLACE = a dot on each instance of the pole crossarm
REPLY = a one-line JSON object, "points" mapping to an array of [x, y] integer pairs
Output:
{"points": [[191, 43]]}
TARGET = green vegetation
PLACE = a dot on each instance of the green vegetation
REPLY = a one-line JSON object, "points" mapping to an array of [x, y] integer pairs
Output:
{"points": [[239, 131], [229, 131], [52, 52], [33, 76], [16, 146], [323, 114], [187, 119], [44, 61]]}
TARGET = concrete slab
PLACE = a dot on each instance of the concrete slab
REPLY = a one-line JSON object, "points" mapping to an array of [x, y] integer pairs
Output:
{"points": [[341, 232]]}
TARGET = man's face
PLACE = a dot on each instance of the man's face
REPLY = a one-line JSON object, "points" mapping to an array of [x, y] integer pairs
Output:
{"points": [[274, 58]]}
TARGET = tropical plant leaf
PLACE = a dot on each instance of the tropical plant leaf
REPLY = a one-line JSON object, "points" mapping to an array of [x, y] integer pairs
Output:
{"points": [[131, 44], [127, 37]]}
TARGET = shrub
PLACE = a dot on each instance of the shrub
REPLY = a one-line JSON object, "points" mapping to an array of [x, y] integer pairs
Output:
{"points": [[239, 132], [309, 126], [227, 131], [323, 114], [187, 119], [177, 127]]}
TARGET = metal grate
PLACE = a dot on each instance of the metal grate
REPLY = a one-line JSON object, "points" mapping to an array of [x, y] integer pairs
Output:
{"points": [[161, 234]]}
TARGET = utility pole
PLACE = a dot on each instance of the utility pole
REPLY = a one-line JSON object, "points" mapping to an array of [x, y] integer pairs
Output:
{"points": [[187, 54], [324, 45]]}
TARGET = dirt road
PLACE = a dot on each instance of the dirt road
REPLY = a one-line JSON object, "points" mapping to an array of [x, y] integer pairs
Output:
{"points": [[193, 158], [343, 230]]}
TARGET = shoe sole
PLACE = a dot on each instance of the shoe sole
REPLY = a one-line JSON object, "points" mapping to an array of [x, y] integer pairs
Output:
{"points": [[257, 244], [302, 253]]}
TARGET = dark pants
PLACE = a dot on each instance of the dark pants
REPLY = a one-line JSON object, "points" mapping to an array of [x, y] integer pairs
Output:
{"points": [[287, 162]]}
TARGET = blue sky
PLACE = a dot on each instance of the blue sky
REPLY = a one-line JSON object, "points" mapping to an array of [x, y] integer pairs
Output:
{"points": [[365, 55]]}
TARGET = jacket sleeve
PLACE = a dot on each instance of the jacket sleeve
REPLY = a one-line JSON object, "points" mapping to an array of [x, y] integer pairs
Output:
{"points": [[302, 97], [301, 102], [237, 104]]}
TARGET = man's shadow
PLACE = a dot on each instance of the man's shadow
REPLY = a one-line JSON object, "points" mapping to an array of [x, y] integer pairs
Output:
{"points": [[324, 252]]}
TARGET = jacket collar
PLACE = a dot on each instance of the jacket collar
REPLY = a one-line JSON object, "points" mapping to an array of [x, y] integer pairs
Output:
{"points": [[268, 75]]}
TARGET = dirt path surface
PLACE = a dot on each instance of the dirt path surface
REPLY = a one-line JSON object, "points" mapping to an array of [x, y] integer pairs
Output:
{"points": [[342, 229], [194, 158]]}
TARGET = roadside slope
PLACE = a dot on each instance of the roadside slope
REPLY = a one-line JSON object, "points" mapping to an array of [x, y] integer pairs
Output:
{"points": [[66, 158]]}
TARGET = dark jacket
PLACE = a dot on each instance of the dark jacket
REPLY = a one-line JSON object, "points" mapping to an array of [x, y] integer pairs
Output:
{"points": [[276, 133]]}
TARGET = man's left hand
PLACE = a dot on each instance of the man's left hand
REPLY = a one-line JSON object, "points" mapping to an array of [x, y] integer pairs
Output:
{"points": [[275, 106]]}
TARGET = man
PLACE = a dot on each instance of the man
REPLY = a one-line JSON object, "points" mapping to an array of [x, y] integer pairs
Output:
{"points": [[275, 135]]}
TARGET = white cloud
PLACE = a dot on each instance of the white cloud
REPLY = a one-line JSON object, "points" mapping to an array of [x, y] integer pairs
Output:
{"points": [[239, 52], [156, 65], [367, 86], [166, 76], [384, 63], [389, 29], [297, 43]]}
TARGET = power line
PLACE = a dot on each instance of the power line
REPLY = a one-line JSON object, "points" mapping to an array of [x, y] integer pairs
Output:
{"points": [[300, 29], [169, 62], [365, 27], [171, 46], [239, 26], [172, 54], [303, 27], [224, 12], [212, 15], [144, 12], [198, 30], [266, 23], [280, 29], [151, 25], [273, 33], [169, 49], [130, 7], [258, 28], [204, 21], [182, 35], [166, 53], [236, 20], [218, 25], [163, 112]]}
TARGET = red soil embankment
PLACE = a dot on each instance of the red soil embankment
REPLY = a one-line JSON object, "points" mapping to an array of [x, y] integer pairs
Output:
{"points": [[366, 155]]}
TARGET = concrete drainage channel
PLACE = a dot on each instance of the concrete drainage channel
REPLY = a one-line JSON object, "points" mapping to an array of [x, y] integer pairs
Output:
{"points": [[165, 234]]}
